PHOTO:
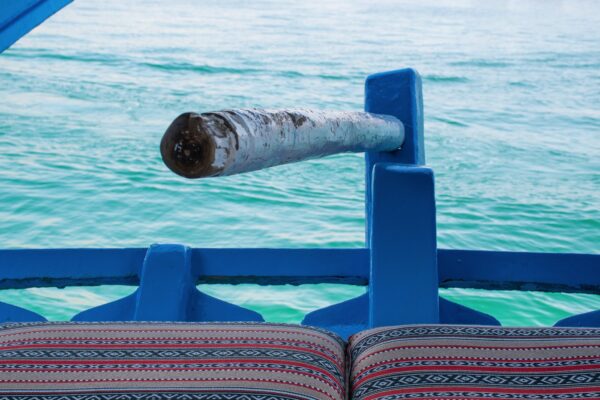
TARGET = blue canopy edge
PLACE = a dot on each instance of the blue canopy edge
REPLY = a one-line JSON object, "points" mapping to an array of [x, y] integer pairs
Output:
{"points": [[18, 17]]}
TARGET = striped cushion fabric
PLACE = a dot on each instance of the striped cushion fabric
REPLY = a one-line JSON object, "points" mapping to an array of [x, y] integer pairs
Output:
{"points": [[466, 362], [171, 361]]}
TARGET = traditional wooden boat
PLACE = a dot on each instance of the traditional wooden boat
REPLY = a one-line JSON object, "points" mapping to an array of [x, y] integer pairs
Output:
{"points": [[404, 341]]}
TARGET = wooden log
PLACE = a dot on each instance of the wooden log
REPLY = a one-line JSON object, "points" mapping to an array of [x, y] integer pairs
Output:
{"points": [[235, 141]]}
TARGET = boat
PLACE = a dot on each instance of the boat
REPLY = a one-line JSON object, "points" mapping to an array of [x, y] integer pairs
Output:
{"points": [[399, 340]]}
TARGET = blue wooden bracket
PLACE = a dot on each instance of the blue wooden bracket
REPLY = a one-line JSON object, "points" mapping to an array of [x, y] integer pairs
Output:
{"points": [[118, 310], [397, 93], [454, 313], [399, 271], [18, 17], [403, 283], [586, 320], [403, 286], [345, 318], [10, 313], [166, 284], [167, 292]]}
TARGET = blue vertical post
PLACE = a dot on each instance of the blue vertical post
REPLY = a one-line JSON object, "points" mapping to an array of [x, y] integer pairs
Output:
{"points": [[403, 285], [167, 284], [397, 93], [400, 205]]}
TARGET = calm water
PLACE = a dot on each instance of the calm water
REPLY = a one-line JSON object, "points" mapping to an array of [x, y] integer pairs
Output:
{"points": [[512, 97]]}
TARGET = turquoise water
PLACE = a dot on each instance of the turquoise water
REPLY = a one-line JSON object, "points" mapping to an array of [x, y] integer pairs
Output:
{"points": [[512, 100]]}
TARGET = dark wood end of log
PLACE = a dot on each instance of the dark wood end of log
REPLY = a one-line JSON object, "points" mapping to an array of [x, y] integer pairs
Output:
{"points": [[187, 148]]}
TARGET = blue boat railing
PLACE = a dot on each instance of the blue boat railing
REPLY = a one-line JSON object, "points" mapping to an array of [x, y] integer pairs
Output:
{"points": [[401, 265]]}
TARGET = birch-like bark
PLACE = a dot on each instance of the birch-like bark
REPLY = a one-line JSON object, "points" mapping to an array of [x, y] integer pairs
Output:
{"points": [[235, 141]]}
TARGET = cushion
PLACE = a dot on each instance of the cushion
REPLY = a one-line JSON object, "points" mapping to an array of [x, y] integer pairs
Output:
{"points": [[191, 361], [471, 362]]}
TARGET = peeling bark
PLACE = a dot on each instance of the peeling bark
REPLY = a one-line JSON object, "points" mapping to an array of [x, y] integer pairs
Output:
{"points": [[235, 141]]}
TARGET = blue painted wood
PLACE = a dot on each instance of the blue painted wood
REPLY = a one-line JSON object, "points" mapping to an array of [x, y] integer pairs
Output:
{"points": [[166, 284], [457, 268], [352, 316], [208, 308], [454, 313], [10, 10], [61, 267], [78, 267], [69, 267], [18, 17], [400, 227], [281, 266], [397, 93], [167, 292], [118, 310], [586, 320], [10, 313], [520, 271], [345, 318], [403, 285]]}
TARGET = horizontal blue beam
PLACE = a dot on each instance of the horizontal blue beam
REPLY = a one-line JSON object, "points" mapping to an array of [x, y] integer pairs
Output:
{"points": [[278, 266], [546, 272], [457, 268], [69, 267], [92, 267]]}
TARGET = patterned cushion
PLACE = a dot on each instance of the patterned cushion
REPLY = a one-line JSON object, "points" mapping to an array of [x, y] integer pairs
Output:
{"points": [[171, 361], [461, 362]]}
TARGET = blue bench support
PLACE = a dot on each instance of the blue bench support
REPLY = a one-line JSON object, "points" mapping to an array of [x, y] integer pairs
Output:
{"points": [[11, 313], [454, 313], [400, 206], [457, 268], [400, 217], [585, 320], [399, 94], [345, 318], [166, 285], [403, 286], [167, 292], [18, 17]]}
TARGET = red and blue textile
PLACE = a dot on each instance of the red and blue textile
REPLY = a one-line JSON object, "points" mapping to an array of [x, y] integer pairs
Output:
{"points": [[475, 362], [174, 361], [257, 361]]}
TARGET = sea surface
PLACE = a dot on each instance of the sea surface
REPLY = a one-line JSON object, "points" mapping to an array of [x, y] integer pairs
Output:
{"points": [[512, 104]]}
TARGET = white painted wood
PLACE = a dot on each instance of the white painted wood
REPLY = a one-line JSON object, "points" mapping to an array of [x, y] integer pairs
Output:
{"points": [[235, 141]]}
